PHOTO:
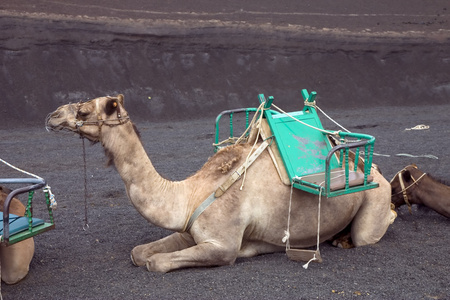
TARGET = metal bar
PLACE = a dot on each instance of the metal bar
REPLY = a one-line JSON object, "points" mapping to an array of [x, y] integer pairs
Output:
{"points": [[346, 169], [369, 140], [231, 125], [21, 180], [8, 202]]}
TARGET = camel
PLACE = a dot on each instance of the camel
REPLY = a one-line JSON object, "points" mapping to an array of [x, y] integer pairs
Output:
{"points": [[242, 222], [412, 186], [16, 258]]}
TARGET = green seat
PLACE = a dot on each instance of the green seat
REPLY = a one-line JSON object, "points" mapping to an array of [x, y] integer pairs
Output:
{"points": [[19, 228], [312, 162], [18, 224]]}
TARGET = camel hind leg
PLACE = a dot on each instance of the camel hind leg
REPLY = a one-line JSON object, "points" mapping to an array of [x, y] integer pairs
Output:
{"points": [[374, 216], [254, 248]]}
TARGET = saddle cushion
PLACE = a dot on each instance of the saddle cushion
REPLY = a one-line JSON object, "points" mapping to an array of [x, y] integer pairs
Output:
{"points": [[18, 224], [337, 179]]}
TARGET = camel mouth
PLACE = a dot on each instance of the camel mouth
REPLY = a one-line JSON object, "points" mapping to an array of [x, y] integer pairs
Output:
{"points": [[62, 119], [51, 124]]}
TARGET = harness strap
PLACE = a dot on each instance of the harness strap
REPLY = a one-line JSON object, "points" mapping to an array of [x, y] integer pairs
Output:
{"points": [[238, 173], [199, 211], [405, 196], [404, 189], [225, 186]]}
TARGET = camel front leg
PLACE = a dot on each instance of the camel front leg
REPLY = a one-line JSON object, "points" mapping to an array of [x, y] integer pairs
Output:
{"points": [[15, 260], [205, 254], [174, 242]]}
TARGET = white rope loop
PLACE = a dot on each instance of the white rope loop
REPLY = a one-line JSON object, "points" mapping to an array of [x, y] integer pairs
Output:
{"points": [[52, 199]]}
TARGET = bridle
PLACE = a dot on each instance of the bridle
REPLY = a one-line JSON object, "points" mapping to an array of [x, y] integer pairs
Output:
{"points": [[120, 120], [404, 189]]}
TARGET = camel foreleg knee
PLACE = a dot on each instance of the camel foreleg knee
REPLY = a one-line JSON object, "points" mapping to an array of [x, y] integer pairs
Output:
{"points": [[174, 242], [202, 255]]}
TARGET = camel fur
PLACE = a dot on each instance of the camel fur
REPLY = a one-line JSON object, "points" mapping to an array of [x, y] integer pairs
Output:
{"points": [[240, 223], [15, 259]]}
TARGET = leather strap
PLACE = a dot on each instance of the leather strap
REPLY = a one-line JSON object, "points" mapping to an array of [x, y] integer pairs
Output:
{"points": [[238, 173], [225, 186]]}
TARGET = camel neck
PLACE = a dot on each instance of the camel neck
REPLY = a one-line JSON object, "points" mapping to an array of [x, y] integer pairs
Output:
{"points": [[153, 196], [433, 194]]}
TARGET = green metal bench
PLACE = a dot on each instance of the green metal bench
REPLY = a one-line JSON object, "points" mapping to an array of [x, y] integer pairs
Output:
{"points": [[317, 160], [14, 229]]}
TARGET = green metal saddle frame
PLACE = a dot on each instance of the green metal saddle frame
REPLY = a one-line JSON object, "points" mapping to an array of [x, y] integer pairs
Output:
{"points": [[312, 160], [14, 229]]}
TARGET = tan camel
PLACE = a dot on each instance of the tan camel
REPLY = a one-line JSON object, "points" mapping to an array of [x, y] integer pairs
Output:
{"points": [[412, 186], [240, 223], [16, 258]]}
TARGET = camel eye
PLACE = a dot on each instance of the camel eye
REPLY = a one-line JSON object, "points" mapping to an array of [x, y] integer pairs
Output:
{"points": [[82, 115], [114, 104]]}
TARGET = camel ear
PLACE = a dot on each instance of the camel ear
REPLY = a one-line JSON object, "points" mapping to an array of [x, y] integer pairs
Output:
{"points": [[120, 98]]}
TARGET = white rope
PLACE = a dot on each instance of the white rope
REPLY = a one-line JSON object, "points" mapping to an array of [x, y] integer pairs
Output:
{"points": [[20, 170], [45, 189], [260, 108], [287, 233], [256, 140], [419, 127], [305, 266], [424, 155], [331, 119], [288, 115]]}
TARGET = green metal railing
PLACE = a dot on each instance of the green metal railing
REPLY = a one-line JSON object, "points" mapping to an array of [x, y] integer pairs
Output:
{"points": [[231, 136], [35, 183]]}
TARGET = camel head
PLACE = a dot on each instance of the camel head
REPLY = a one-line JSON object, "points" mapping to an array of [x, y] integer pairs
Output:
{"points": [[88, 118], [403, 183]]}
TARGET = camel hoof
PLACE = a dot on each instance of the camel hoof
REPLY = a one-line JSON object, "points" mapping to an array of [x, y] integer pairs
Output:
{"points": [[337, 244], [137, 258], [343, 243], [393, 216], [132, 259]]}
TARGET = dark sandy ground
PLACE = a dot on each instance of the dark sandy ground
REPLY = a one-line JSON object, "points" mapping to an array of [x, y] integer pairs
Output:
{"points": [[410, 262], [379, 67]]}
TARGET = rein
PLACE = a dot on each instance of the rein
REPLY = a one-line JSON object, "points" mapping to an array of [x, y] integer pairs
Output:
{"points": [[100, 122], [404, 189], [86, 225]]}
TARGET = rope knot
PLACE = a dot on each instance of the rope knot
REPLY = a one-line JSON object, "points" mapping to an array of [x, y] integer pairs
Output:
{"points": [[311, 104], [48, 190], [286, 236]]}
